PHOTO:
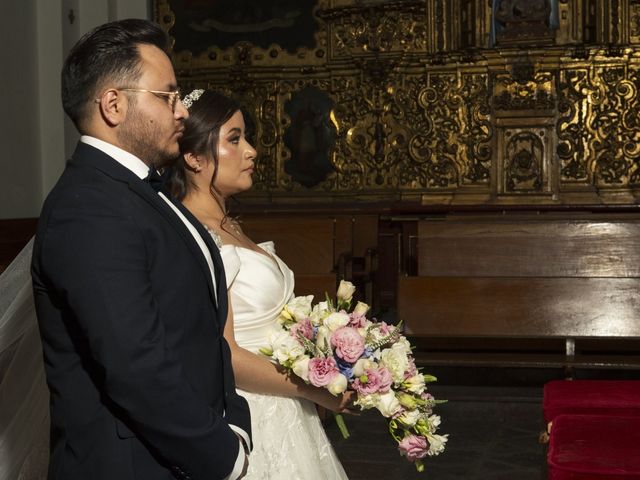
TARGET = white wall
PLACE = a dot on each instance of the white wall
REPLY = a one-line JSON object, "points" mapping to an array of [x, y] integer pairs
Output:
{"points": [[20, 182], [35, 135]]}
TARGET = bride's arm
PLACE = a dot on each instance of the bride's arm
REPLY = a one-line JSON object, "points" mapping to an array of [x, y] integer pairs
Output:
{"points": [[255, 373]]}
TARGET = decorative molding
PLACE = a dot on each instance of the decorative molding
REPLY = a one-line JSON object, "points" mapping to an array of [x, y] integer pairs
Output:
{"points": [[403, 114]]}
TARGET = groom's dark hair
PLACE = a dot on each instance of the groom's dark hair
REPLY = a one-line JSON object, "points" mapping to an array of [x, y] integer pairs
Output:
{"points": [[107, 54]]}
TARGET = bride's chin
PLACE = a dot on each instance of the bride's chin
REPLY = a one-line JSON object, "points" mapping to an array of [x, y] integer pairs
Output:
{"points": [[246, 186]]}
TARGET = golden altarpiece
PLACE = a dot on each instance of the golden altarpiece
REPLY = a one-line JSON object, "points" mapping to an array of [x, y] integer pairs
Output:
{"points": [[379, 114], [430, 101]]}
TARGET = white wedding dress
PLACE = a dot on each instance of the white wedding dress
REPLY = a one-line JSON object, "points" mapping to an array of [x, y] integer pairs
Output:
{"points": [[289, 442]]}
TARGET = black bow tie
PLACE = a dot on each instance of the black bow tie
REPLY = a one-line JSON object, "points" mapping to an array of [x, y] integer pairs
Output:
{"points": [[156, 180]]}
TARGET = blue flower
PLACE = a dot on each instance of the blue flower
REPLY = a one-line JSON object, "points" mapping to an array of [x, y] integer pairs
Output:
{"points": [[344, 367]]}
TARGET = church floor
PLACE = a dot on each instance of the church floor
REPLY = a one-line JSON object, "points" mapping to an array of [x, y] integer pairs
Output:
{"points": [[493, 435]]}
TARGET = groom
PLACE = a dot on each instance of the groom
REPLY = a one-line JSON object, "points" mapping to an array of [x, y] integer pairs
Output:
{"points": [[130, 292]]}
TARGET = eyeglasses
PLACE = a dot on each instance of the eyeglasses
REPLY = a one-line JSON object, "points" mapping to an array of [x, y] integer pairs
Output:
{"points": [[172, 97]]}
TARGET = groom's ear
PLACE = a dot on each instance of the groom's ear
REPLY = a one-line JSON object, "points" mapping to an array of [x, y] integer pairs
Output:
{"points": [[113, 106]]}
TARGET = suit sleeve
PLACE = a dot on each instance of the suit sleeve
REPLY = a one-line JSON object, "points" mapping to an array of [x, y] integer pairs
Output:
{"points": [[96, 256]]}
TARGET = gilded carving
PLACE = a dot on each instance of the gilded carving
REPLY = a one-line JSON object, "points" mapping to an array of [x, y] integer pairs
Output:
{"points": [[573, 138], [598, 128], [372, 138], [410, 99], [382, 27], [634, 22], [524, 160], [457, 141], [524, 90]]}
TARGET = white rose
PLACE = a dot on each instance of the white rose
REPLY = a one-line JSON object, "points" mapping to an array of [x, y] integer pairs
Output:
{"points": [[362, 365], [322, 306], [410, 417], [285, 347], [336, 320], [319, 312], [415, 384], [338, 384], [434, 422], [300, 307], [367, 401], [361, 308], [396, 361], [376, 354], [405, 344], [345, 290], [301, 367], [388, 404], [436, 444], [322, 338]]}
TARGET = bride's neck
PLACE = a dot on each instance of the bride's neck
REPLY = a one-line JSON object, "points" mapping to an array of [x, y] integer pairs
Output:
{"points": [[205, 206]]}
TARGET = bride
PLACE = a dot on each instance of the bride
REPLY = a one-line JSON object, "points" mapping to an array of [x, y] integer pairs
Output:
{"points": [[217, 162]]}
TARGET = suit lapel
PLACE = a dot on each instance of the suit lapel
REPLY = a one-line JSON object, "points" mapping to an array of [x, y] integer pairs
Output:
{"points": [[86, 155], [218, 266]]}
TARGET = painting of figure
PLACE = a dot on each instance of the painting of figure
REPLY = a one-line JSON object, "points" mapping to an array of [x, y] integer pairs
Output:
{"points": [[200, 24], [310, 137]]}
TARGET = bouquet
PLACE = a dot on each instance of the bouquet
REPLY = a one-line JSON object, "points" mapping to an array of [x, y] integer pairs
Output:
{"points": [[334, 347]]}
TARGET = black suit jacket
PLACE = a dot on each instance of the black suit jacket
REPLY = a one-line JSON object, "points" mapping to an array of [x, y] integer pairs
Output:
{"points": [[139, 372]]}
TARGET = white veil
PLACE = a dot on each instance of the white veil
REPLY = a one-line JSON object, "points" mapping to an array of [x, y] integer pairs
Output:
{"points": [[24, 397]]}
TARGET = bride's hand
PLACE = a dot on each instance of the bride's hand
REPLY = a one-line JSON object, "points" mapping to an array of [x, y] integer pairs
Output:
{"points": [[342, 403]]}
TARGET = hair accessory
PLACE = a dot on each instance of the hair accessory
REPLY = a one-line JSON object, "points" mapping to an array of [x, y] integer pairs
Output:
{"points": [[191, 98]]}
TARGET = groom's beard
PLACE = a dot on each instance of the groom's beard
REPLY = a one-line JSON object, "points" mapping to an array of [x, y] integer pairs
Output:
{"points": [[147, 140]]}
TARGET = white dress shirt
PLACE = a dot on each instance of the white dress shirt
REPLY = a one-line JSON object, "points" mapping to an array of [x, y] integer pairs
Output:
{"points": [[141, 170]]}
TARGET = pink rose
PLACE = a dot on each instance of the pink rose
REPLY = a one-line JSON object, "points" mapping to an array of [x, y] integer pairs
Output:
{"points": [[373, 381], [426, 396], [349, 344], [357, 321], [411, 369], [322, 371], [385, 328], [413, 447], [304, 327]]}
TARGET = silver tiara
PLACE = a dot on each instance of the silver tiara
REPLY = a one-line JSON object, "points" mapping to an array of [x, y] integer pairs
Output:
{"points": [[191, 98]]}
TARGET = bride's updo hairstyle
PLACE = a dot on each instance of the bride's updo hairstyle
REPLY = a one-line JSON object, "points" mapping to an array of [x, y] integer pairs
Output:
{"points": [[208, 111]]}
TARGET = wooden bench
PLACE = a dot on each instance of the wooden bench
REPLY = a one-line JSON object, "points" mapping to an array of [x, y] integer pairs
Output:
{"points": [[320, 248], [550, 290]]}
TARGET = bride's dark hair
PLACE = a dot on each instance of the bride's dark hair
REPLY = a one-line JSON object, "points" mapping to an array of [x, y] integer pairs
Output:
{"points": [[201, 135]]}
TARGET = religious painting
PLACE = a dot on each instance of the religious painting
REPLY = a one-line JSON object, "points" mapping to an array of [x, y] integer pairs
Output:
{"points": [[310, 138], [523, 21], [200, 24]]}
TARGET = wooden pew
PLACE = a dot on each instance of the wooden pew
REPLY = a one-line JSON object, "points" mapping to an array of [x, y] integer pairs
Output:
{"points": [[306, 245], [321, 247], [526, 290]]}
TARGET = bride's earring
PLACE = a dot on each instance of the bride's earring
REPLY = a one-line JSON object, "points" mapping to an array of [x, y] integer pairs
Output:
{"points": [[192, 162]]}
